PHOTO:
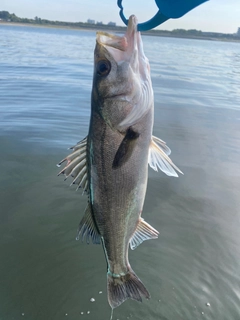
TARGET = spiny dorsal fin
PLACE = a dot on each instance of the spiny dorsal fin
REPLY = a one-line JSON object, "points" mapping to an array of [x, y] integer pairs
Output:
{"points": [[87, 229], [158, 158], [143, 232], [76, 166]]}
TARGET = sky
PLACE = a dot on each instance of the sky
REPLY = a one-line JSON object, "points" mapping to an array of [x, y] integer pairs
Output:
{"points": [[214, 15]]}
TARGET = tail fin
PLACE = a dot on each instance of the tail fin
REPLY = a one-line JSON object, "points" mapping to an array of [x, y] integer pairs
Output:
{"points": [[121, 288]]}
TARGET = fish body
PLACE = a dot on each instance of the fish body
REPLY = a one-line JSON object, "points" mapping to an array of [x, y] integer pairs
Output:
{"points": [[117, 195], [118, 154], [111, 163]]}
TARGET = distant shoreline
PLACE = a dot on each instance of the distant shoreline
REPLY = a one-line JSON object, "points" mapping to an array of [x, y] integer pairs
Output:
{"points": [[19, 24], [156, 33]]}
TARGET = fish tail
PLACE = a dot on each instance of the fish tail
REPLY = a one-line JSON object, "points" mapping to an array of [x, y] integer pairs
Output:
{"points": [[123, 287]]}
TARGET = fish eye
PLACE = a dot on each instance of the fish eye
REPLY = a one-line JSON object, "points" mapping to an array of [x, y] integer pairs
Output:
{"points": [[103, 67]]}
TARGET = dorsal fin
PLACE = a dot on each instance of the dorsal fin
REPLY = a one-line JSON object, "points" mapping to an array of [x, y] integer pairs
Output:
{"points": [[143, 232], [87, 229], [76, 166]]}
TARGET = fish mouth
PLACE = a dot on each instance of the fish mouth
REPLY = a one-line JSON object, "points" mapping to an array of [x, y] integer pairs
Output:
{"points": [[121, 47], [132, 32]]}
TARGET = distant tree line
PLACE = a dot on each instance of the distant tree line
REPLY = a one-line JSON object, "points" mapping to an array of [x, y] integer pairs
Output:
{"points": [[6, 16], [200, 33], [11, 17]]}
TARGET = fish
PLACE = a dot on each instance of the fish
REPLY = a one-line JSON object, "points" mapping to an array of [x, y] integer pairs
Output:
{"points": [[111, 163]]}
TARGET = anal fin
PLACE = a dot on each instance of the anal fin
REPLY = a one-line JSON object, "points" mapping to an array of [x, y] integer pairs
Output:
{"points": [[87, 229], [143, 232]]}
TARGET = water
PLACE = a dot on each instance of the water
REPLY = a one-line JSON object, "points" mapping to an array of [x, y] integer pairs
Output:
{"points": [[45, 84]]}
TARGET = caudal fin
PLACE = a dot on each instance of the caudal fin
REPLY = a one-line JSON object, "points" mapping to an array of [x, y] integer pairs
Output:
{"points": [[121, 288]]}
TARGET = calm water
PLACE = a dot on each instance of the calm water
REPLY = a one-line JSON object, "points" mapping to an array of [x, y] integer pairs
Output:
{"points": [[45, 84]]}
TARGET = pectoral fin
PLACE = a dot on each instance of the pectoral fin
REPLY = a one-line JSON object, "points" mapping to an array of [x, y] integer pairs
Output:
{"points": [[158, 158], [143, 232], [76, 166], [162, 144], [87, 229], [125, 149]]}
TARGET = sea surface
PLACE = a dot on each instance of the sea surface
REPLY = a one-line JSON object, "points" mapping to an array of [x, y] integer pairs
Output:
{"points": [[193, 269]]}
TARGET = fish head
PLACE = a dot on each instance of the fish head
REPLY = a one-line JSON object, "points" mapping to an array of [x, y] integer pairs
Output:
{"points": [[122, 89]]}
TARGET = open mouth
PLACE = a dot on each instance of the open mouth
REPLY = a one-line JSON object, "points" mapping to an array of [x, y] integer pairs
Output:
{"points": [[119, 42], [109, 40]]}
